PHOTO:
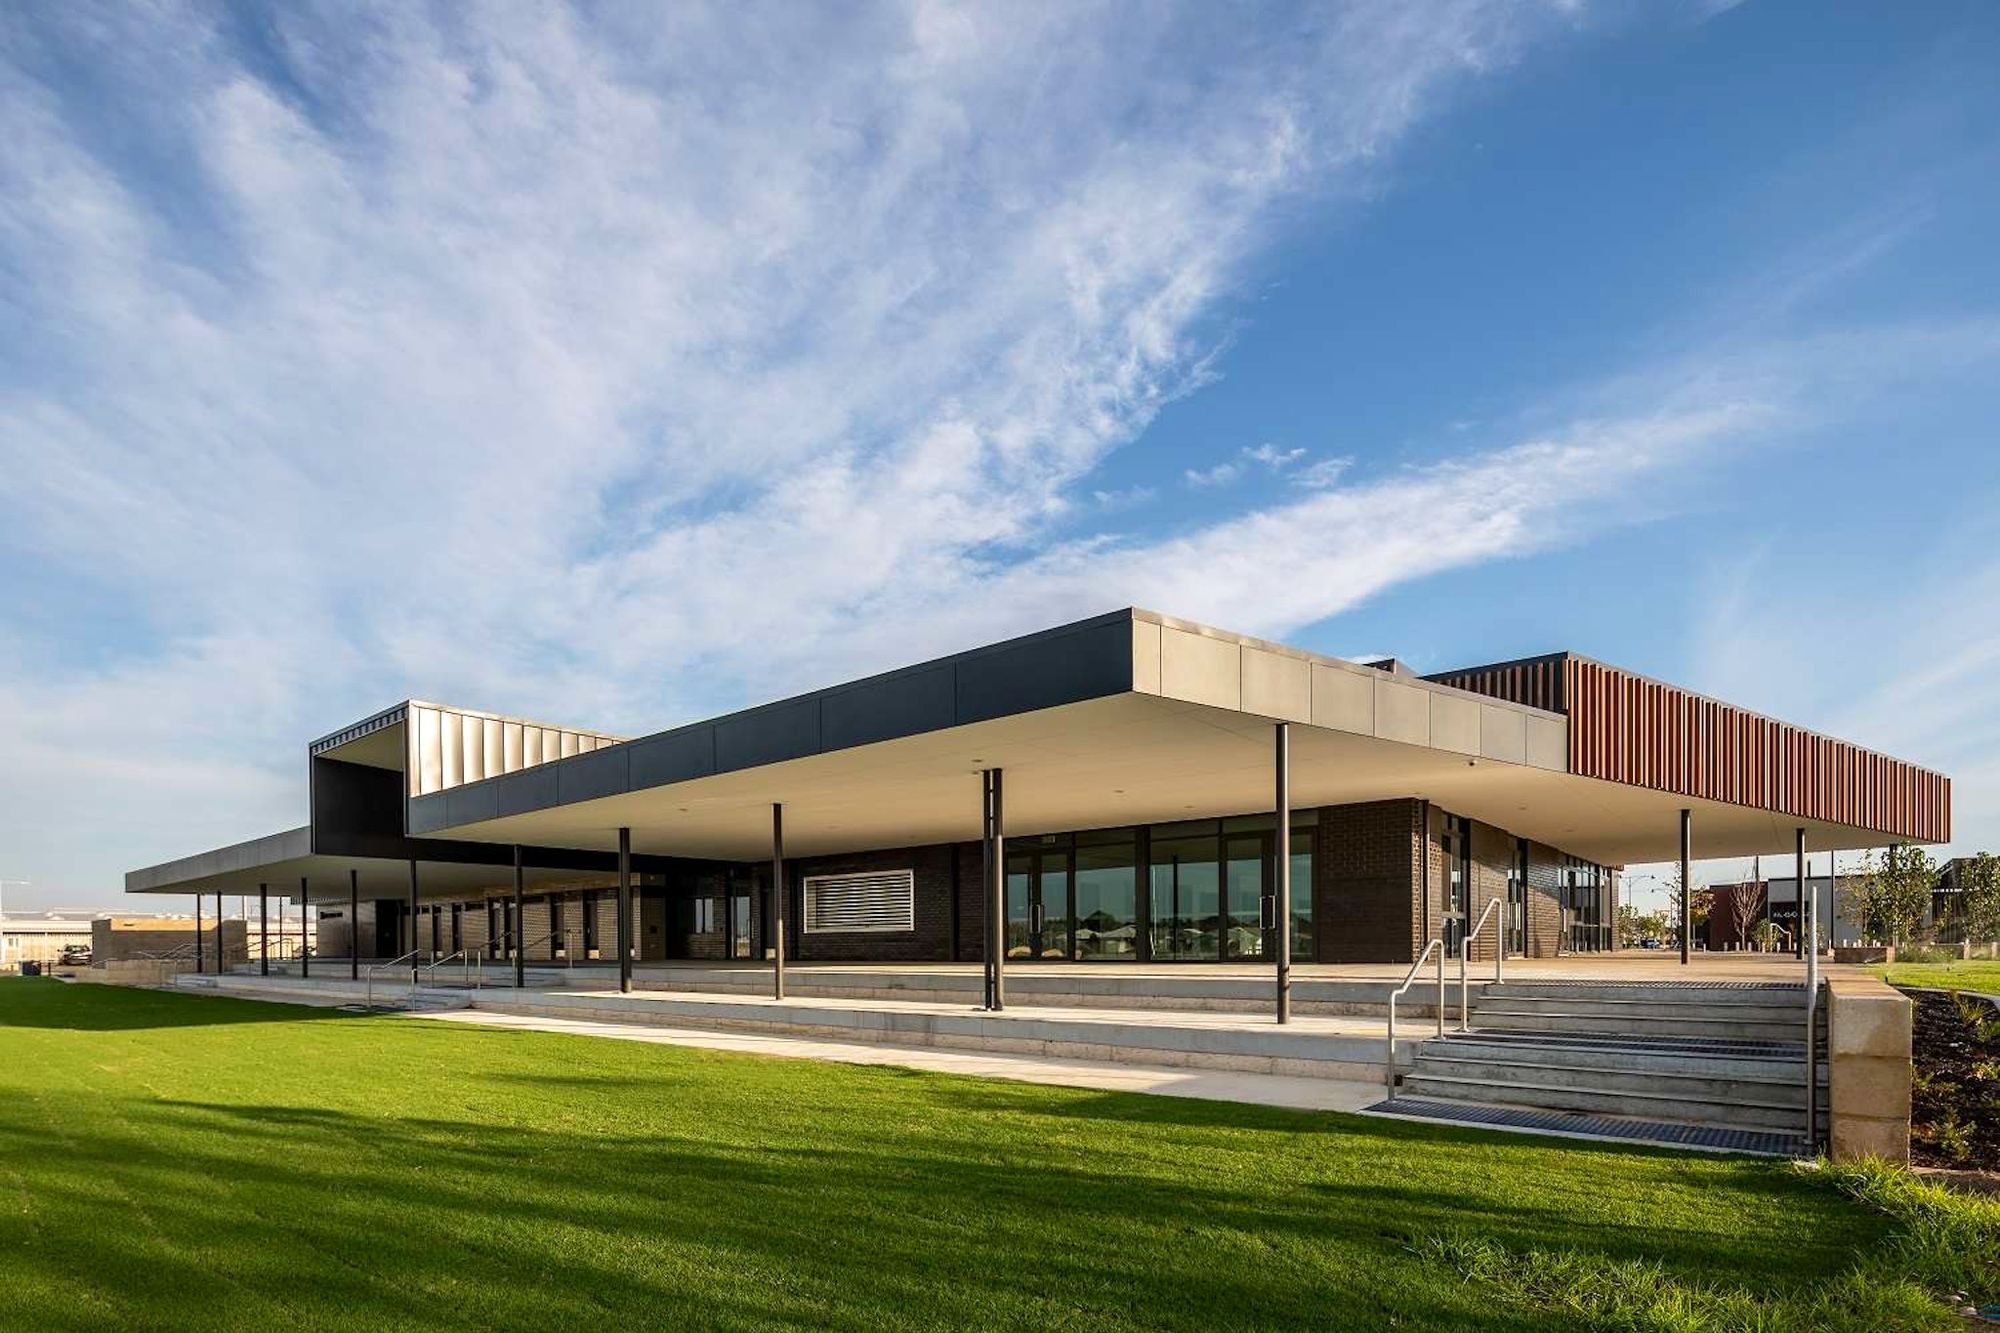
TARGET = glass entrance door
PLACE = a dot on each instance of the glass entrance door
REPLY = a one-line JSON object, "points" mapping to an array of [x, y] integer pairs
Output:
{"points": [[1039, 911], [1247, 858]]}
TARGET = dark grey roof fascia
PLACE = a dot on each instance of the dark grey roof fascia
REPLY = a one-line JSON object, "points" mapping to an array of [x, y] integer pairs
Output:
{"points": [[1087, 659], [289, 845]]}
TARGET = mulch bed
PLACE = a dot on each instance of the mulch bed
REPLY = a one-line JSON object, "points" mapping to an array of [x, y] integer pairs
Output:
{"points": [[1955, 1108]]}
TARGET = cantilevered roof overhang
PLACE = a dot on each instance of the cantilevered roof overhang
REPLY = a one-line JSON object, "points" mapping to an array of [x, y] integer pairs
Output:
{"points": [[1127, 718], [282, 862]]}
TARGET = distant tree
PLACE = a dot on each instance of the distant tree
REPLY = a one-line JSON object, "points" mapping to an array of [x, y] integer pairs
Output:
{"points": [[1979, 898], [1635, 926], [1698, 908], [1897, 893], [1768, 935], [1746, 907]]}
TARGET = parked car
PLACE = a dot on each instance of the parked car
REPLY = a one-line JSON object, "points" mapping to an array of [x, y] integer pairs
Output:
{"points": [[74, 955]]}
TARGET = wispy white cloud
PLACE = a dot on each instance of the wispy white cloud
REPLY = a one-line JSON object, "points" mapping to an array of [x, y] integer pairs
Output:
{"points": [[567, 365]]}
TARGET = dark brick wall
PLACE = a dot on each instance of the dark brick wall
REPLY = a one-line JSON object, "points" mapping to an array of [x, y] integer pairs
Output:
{"points": [[1365, 890], [929, 942]]}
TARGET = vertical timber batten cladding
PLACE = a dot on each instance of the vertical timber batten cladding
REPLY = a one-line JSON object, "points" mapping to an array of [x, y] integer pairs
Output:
{"points": [[1626, 728]]}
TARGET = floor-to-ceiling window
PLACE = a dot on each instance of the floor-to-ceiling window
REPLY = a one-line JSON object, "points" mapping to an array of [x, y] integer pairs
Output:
{"points": [[1185, 891], [1455, 845], [1106, 876], [1303, 824]]}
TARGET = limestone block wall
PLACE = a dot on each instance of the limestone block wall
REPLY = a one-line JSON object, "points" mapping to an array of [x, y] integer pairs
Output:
{"points": [[1868, 1042]]}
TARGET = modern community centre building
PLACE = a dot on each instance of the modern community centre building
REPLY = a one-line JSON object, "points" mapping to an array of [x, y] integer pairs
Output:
{"points": [[1139, 789]]}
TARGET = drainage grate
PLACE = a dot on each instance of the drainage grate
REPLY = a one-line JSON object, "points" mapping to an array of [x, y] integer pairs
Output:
{"points": [[1765, 1142]]}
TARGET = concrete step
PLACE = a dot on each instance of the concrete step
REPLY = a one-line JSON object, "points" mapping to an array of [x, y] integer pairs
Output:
{"points": [[1662, 1103], [1032, 986], [1766, 1011], [1517, 1019], [1701, 992], [1782, 1086], [1139, 1037], [1727, 1060]]}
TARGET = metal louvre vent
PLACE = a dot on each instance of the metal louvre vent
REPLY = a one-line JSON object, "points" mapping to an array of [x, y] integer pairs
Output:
{"points": [[883, 900]]}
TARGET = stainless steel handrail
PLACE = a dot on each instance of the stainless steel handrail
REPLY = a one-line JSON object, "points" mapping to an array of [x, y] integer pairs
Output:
{"points": [[1465, 952], [1409, 979], [569, 954], [464, 956], [377, 967]]}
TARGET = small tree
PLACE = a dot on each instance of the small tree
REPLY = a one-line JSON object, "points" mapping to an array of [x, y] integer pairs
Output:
{"points": [[1897, 893], [1746, 906], [1979, 898]]}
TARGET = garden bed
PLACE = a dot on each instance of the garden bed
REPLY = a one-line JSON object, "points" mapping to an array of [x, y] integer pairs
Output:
{"points": [[1955, 1091]]}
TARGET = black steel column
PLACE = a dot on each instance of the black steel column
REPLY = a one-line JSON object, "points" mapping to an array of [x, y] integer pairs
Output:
{"points": [[305, 943], [263, 930], [1799, 931], [1687, 883], [354, 925], [520, 927], [999, 921], [986, 941], [220, 955], [778, 896], [415, 971], [198, 967], [624, 909], [1281, 852]]}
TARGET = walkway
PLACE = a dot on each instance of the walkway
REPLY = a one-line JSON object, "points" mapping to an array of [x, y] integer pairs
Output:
{"points": [[1305, 1094]]}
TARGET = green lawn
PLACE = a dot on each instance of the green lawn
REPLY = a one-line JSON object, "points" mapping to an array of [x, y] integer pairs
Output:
{"points": [[171, 1161], [1975, 974]]}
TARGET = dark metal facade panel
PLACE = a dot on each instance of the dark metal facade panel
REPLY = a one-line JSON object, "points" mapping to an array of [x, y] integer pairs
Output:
{"points": [[290, 845], [530, 789], [1084, 661], [768, 735], [1626, 728], [885, 707], [472, 804], [589, 776], [673, 756]]}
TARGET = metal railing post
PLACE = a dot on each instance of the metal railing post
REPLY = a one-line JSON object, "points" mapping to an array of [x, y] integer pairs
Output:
{"points": [[1812, 1023], [1409, 979]]}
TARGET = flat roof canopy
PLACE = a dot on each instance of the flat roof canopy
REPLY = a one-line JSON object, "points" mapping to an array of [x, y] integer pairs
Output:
{"points": [[1129, 759]]}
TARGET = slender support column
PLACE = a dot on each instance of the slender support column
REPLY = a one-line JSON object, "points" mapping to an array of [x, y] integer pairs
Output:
{"points": [[305, 940], [354, 925], [1281, 854], [221, 956], [263, 930], [416, 972], [624, 909], [520, 927], [1687, 883], [1799, 930], [986, 941], [999, 923], [199, 965], [778, 896]]}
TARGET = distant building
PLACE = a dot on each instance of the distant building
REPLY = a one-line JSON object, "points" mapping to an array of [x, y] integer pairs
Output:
{"points": [[1777, 900], [1947, 914], [41, 937]]}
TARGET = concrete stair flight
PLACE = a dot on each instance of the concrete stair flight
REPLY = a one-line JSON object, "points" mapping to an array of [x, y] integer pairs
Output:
{"points": [[1688, 1058]]}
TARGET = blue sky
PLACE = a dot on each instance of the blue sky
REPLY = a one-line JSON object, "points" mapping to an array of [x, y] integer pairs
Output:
{"points": [[583, 363]]}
